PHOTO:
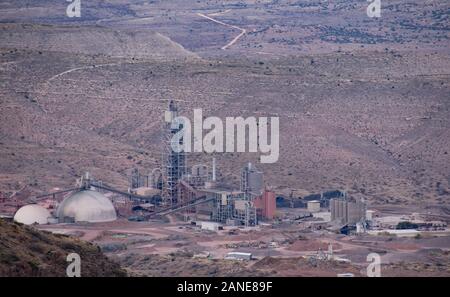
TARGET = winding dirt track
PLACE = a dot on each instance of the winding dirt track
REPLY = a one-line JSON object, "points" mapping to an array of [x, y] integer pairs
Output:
{"points": [[81, 68], [243, 31]]}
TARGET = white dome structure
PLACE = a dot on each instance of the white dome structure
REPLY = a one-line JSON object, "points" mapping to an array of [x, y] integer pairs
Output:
{"points": [[32, 214], [86, 206]]}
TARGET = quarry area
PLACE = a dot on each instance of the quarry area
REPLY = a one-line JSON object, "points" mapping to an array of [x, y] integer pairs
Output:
{"points": [[87, 118], [167, 249]]}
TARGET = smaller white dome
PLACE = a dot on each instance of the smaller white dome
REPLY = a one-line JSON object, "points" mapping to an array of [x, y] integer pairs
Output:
{"points": [[32, 214]]}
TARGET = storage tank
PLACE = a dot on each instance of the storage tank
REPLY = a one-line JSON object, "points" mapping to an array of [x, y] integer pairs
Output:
{"points": [[86, 206], [32, 214], [252, 180]]}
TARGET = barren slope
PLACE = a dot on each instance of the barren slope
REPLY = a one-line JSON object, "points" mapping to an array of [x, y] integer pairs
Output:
{"points": [[363, 103], [25, 251], [360, 133]]}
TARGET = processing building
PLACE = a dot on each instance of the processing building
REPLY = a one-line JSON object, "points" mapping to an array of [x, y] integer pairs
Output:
{"points": [[348, 210], [230, 207], [265, 205], [252, 181], [313, 206]]}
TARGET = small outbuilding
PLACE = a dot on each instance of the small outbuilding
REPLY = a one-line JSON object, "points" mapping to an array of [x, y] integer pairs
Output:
{"points": [[313, 206]]}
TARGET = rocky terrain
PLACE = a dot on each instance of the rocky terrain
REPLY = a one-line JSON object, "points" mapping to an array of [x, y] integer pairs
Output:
{"points": [[26, 251], [181, 249], [436, 263], [185, 265]]}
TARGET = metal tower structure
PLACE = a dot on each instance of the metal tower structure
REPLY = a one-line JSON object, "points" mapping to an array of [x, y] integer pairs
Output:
{"points": [[251, 181], [134, 179], [174, 163]]}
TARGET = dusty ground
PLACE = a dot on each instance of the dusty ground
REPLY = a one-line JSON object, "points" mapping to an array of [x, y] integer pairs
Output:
{"points": [[153, 248]]}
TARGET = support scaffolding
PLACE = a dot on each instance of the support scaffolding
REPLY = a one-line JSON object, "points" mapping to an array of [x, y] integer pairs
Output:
{"points": [[174, 163], [233, 208], [137, 179]]}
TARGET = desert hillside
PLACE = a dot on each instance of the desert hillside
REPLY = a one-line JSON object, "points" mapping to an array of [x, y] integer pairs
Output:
{"points": [[382, 133], [363, 103], [26, 251], [92, 40]]}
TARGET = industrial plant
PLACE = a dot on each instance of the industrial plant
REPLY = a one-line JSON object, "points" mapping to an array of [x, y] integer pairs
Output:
{"points": [[186, 207], [190, 190], [175, 187], [225, 138]]}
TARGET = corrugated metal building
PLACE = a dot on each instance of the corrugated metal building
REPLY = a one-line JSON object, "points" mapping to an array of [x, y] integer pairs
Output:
{"points": [[347, 211]]}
